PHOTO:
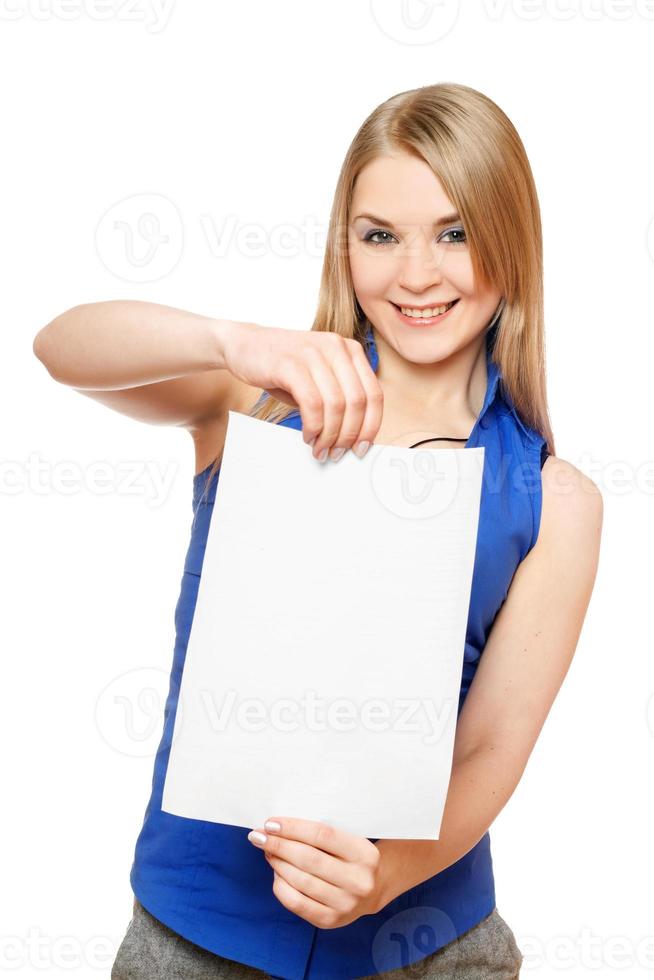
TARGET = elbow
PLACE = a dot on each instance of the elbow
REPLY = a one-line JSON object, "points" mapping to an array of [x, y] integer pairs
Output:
{"points": [[41, 349], [39, 346], [47, 343]]}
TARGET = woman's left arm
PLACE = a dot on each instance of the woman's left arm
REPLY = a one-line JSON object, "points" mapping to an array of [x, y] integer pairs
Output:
{"points": [[330, 877], [524, 663]]}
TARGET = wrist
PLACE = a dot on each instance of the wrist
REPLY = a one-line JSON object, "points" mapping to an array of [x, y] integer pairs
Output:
{"points": [[222, 332], [384, 891]]}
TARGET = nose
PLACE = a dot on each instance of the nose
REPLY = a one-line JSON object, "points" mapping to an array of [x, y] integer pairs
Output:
{"points": [[421, 265]]}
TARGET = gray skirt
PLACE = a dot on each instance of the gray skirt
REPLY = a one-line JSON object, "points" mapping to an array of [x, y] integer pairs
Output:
{"points": [[150, 951]]}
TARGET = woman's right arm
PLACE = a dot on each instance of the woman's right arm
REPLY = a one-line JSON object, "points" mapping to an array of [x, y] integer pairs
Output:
{"points": [[154, 363], [167, 366]]}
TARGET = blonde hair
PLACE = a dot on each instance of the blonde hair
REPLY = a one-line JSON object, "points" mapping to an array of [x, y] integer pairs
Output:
{"points": [[475, 151]]}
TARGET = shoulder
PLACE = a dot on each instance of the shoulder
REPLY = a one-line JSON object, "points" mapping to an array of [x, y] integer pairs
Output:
{"points": [[571, 516], [570, 495]]}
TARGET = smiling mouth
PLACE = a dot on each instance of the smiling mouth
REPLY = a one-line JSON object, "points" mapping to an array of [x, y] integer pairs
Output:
{"points": [[419, 316]]}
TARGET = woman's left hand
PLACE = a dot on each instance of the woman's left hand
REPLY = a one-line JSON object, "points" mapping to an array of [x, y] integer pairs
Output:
{"points": [[326, 876]]}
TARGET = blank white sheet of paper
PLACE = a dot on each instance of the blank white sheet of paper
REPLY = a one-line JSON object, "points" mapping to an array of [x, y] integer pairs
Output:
{"points": [[323, 668]]}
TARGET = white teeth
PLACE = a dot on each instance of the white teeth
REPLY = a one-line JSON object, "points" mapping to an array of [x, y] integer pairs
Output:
{"points": [[424, 314]]}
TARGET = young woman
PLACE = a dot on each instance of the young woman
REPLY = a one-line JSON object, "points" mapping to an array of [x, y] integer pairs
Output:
{"points": [[429, 332]]}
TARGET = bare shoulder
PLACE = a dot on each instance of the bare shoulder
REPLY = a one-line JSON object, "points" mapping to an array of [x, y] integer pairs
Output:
{"points": [[209, 434], [568, 540], [571, 502]]}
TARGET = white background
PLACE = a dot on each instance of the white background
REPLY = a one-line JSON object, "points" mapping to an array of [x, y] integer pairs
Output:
{"points": [[242, 113]]}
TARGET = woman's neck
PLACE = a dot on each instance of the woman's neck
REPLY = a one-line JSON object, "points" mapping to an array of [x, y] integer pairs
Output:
{"points": [[422, 400]]}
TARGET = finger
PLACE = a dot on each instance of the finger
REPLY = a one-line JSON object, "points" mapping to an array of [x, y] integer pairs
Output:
{"points": [[320, 835], [374, 408], [310, 860], [307, 908], [333, 399], [305, 391], [352, 878], [349, 380], [303, 881]]}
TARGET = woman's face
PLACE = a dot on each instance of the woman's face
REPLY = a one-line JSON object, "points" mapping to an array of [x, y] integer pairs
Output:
{"points": [[408, 248]]}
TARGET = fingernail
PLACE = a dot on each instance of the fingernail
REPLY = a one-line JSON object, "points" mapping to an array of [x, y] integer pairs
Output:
{"points": [[322, 455], [361, 448], [337, 453], [312, 441], [272, 825], [256, 838]]}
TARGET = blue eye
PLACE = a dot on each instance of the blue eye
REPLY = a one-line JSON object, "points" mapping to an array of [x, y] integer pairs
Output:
{"points": [[457, 231], [369, 237], [461, 240]]}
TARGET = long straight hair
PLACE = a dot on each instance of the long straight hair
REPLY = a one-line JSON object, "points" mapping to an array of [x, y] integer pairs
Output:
{"points": [[475, 151]]}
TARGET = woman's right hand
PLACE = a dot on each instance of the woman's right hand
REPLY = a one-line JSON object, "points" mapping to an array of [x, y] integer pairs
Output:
{"points": [[326, 376]]}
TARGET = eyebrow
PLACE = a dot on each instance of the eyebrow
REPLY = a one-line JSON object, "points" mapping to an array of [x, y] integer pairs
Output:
{"points": [[445, 220]]}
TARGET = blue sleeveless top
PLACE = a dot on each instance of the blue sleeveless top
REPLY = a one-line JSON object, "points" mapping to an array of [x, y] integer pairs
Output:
{"points": [[208, 883]]}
